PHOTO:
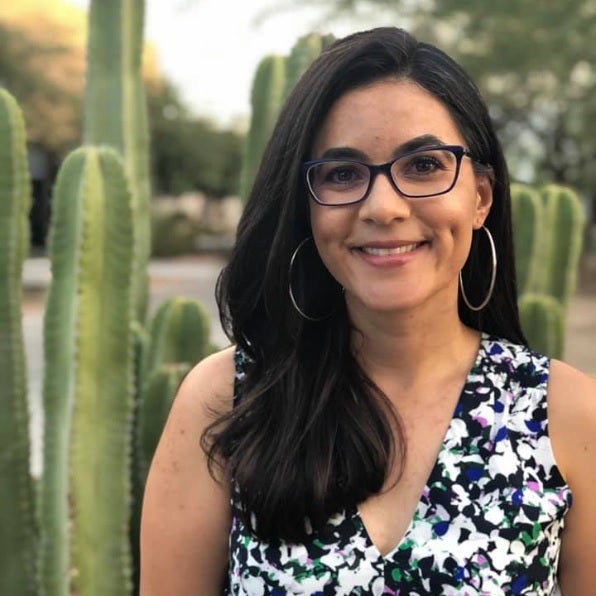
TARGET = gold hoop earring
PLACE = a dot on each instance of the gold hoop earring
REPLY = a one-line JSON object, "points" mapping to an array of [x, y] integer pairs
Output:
{"points": [[493, 277], [291, 291]]}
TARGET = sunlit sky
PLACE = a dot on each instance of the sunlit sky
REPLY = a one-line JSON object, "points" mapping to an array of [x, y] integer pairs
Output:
{"points": [[211, 48]]}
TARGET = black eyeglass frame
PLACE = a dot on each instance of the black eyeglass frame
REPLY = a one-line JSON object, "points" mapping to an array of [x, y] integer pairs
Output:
{"points": [[385, 168]]}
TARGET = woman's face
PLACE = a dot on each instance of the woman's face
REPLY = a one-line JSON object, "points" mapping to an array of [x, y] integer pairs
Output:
{"points": [[391, 253]]}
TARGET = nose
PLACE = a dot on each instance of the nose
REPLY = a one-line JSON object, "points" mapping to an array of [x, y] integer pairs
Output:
{"points": [[384, 202]]}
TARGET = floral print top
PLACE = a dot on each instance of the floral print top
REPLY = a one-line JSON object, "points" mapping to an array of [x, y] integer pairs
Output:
{"points": [[489, 519]]}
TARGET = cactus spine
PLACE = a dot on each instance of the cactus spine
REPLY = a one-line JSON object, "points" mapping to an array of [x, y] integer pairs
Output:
{"points": [[88, 379], [564, 222], [528, 221], [116, 113], [18, 526], [543, 321]]}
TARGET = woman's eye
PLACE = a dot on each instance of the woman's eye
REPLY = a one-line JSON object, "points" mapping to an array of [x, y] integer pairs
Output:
{"points": [[424, 165], [342, 175]]}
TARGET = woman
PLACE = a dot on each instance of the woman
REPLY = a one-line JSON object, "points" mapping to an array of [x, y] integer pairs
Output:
{"points": [[379, 426]]}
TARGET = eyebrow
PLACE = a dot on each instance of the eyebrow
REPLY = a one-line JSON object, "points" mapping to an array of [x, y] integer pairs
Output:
{"points": [[411, 145]]}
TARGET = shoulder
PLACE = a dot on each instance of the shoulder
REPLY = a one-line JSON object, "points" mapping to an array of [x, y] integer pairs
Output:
{"points": [[186, 511], [572, 416], [572, 424], [208, 386]]}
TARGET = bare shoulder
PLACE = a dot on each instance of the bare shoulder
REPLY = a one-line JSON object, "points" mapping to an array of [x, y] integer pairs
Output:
{"points": [[572, 412], [186, 511], [572, 423], [209, 386]]}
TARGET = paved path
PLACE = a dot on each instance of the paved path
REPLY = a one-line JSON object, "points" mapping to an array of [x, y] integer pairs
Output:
{"points": [[196, 277]]}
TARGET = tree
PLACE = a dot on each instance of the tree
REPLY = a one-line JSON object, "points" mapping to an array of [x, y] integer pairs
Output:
{"points": [[190, 153]]}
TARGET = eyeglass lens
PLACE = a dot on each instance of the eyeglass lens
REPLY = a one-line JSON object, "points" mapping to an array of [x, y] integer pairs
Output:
{"points": [[418, 174]]}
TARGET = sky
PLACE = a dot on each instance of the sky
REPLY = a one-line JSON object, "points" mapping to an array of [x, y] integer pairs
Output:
{"points": [[210, 49]]}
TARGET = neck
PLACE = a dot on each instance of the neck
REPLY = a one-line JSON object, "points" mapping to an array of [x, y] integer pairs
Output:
{"points": [[410, 349]]}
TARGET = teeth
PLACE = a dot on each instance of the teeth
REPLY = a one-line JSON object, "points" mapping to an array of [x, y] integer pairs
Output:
{"points": [[383, 252]]}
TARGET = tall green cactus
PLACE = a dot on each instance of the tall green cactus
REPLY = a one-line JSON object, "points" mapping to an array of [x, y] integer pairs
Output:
{"points": [[528, 223], [18, 527], [88, 377], [302, 54], [543, 321], [563, 236], [116, 113], [274, 79], [266, 99]]}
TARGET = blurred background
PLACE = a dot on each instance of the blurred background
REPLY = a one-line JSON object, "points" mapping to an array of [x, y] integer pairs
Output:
{"points": [[534, 62]]}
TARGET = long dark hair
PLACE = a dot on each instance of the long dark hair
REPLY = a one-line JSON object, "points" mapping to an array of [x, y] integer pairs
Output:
{"points": [[311, 434]]}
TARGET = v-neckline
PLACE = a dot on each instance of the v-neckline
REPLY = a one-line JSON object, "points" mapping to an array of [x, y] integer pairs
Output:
{"points": [[436, 468]]}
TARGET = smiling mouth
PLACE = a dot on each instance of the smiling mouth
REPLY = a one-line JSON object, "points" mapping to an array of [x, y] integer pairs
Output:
{"points": [[383, 252]]}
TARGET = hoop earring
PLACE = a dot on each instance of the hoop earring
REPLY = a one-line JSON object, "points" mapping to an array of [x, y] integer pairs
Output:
{"points": [[493, 277], [291, 291]]}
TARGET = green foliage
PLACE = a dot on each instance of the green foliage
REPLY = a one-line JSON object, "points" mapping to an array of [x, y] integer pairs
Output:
{"points": [[115, 113], [189, 153], [528, 224], [266, 99], [88, 377], [563, 237], [18, 534], [543, 322]]}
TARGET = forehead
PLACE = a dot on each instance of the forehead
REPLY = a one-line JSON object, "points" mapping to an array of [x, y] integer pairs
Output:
{"points": [[378, 118]]}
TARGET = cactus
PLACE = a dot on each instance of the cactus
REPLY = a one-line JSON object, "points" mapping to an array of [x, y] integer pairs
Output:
{"points": [[302, 54], [18, 524], [543, 322], [563, 229], [528, 223], [179, 333], [266, 98], [88, 376], [116, 114]]}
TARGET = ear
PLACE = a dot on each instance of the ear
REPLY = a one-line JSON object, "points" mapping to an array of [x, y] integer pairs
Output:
{"points": [[484, 199]]}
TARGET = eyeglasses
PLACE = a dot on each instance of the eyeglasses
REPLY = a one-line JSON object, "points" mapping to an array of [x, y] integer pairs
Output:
{"points": [[418, 174]]}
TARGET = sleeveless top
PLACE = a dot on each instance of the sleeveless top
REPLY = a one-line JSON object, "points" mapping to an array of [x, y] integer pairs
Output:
{"points": [[489, 519]]}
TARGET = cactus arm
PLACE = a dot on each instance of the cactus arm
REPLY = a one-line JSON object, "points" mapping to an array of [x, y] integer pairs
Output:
{"points": [[564, 235], [543, 322], [58, 385], [266, 98], [528, 220], [116, 113], [180, 332], [100, 444], [18, 524]]}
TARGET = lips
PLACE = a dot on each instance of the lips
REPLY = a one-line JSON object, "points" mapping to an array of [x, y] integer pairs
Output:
{"points": [[385, 251]]}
